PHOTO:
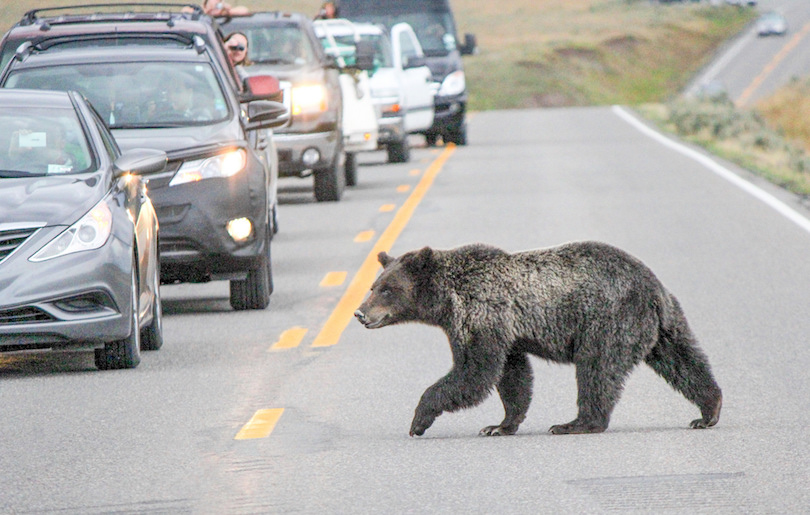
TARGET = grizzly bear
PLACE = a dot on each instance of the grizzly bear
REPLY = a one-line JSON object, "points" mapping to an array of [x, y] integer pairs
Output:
{"points": [[585, 303]]}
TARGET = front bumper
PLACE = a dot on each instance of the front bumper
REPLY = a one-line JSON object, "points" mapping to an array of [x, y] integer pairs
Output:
{"points": [[449, 115], [194, 243], [391, 130], [291, 148], [80, 300]]}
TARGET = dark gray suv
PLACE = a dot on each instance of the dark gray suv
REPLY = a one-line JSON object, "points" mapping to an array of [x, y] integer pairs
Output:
{"points": [[216, 200]]}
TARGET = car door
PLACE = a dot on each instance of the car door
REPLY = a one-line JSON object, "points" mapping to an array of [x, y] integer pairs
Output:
{"points": [[418, 81]]}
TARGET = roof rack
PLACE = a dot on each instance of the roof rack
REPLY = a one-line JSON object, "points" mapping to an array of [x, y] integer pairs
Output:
{"points": [[31, 17]]}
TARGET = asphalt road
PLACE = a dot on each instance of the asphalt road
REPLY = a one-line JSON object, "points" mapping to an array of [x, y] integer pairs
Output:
{"points": [[750, 68], [332, 407]]}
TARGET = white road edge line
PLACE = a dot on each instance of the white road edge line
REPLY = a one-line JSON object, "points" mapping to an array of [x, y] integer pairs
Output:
{"points": [[758, 193]]}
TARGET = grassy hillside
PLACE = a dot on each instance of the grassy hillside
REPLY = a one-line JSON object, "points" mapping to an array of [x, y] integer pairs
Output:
{"points": [[560, 52]]}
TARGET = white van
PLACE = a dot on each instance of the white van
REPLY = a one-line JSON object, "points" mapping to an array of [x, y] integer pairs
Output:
{"points": [[401, 83], [360, 127]]}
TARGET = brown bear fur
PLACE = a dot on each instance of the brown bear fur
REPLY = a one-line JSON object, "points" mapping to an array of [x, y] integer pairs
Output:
{"points": [[586, 303]]}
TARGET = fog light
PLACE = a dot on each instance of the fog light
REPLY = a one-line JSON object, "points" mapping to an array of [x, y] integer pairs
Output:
{"points": [[310, 156], [239, 229]]}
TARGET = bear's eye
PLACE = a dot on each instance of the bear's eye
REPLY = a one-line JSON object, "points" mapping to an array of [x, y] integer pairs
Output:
{"points": [[385, 291]]}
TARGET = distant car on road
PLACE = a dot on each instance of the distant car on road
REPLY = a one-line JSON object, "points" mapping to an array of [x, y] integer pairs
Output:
{"points": [[772, 24], [78, 234]]}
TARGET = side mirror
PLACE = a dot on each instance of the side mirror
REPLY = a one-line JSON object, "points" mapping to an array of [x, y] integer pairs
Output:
{"points": [[266, 114], [140, 161], [414, 61], [470, 45], [364, 55], [260, 87]]}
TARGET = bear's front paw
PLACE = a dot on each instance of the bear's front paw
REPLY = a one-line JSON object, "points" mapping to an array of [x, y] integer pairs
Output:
{"points": [[421, 421], [497, 431]]}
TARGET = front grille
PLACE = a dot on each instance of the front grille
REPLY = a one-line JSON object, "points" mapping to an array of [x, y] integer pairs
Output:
{"points": [[26, 315], [11, 239]]}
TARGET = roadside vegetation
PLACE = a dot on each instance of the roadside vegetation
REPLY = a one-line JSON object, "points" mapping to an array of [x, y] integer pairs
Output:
{"points": [[554, 53]]}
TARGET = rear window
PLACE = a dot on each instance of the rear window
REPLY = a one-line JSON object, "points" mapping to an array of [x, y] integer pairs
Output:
{"points": [[137, 94], [37, 141]]}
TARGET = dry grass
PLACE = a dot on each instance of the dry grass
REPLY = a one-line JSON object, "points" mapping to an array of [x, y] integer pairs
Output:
{"points": [[789, 110]]}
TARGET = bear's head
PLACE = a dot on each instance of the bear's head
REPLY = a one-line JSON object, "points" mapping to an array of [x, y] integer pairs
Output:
{"points": [[402, 293]]}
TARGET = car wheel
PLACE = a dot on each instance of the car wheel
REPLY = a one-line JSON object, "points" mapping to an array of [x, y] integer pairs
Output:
{"points": [[253, 292], [124, 353], [152, 335], [399, 152], [329, 182], [351, 169], [457, 136]]}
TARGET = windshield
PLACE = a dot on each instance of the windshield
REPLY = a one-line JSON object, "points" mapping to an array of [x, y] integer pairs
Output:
{"points": [[137, 94], [435, 31], [279, 44], [346, 49], [37, 141]]}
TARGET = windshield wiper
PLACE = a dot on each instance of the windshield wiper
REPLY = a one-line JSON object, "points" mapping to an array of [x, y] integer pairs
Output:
{"points": [[277, 60], [16, 174]]}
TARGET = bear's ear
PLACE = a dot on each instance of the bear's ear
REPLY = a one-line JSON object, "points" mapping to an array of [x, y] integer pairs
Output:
{"points": [[420, 260], [384, 259]]}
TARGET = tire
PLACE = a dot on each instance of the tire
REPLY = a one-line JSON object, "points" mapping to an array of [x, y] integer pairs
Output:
{"points": [[351, 169], [457, 136], [253, 292], [274, 219], [431, 138], [124, 353], [152, 335], [399, 152], [329, 182]]}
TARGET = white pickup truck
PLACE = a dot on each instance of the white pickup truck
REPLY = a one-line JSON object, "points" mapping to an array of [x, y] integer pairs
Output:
{"points": [[401, 82]]}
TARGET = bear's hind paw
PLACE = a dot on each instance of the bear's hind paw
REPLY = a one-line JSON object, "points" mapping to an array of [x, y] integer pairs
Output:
{"points": [[577, 428], [497, 431]]}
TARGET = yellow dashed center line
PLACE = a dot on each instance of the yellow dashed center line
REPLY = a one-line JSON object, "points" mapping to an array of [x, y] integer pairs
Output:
{"points": [[364, 236], [260, 425], [404, 188], [290, 338], [333, 279], [415, 172], [361, 282], [385, 208]]}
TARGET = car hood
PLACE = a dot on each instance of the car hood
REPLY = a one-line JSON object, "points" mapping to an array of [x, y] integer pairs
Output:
{"points": [[52, 200], [178, 138]]}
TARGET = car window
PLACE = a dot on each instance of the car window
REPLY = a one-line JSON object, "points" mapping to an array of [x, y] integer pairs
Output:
{"points": [[382, 48], [407, 47], [279, 44], [436, 31], [38, 141], [137, 94]]}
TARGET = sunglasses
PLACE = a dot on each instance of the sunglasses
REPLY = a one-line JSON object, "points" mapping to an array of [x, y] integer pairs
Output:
{"points": [[234, 48]]}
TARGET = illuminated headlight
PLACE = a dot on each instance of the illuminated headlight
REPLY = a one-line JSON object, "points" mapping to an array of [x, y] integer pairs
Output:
{"points": [[239, 229], [309, 99], [90, 232], [222, 165], [453, 84]]}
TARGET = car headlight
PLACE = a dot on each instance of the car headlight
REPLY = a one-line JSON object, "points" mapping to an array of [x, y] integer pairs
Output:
{"points": [[307, 99], [453, 84], [90, 232], [221, 165]]}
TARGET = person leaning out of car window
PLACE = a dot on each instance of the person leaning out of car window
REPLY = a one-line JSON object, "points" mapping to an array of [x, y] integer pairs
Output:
{"points": [[328, 11]]}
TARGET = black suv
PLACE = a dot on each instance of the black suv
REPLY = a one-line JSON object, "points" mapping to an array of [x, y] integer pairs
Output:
{"points": [[161, 86], [285, 45]]}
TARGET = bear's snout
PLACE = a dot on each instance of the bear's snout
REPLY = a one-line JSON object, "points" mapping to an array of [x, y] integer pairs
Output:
{"points": [[360, 316]]}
